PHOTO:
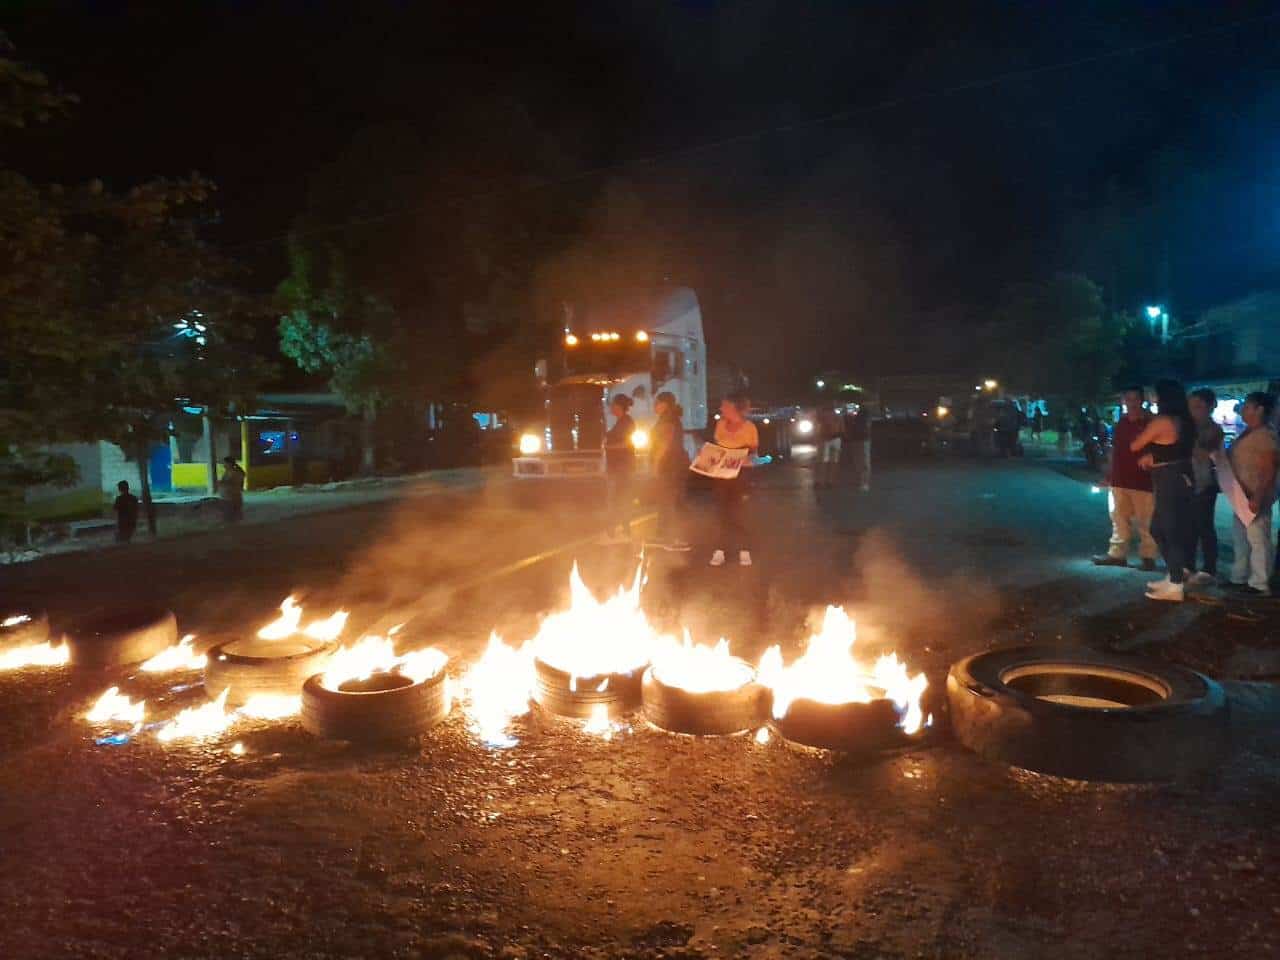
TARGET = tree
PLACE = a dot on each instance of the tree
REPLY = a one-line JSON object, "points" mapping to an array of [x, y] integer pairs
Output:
{"points": [[1054, 339], [112, 309]]}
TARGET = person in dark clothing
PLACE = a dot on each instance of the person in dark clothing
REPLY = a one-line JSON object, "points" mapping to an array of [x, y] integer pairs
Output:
{"points": [[670, 464], [858, 437], [1205, 497], [126, 508], [1166, 446], [619, 469], [1037, 424]]}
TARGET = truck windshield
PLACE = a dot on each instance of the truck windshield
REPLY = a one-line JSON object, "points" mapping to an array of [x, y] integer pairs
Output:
{"points": [[575, 414], [613, 359]]}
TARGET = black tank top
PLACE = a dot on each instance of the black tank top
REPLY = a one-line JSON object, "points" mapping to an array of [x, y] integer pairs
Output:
{"points": [[1180, 449]]}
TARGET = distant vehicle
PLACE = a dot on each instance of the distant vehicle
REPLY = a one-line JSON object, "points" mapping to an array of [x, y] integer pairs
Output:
{"points": [[638, 349]]}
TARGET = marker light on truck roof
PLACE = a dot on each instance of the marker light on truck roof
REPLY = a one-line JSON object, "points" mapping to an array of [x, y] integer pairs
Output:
{"points": [[570, 340], [642, 337], [530, 444]]}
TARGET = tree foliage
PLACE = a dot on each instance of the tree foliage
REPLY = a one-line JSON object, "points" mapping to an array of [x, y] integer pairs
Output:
{"points": [[1053, 338]]}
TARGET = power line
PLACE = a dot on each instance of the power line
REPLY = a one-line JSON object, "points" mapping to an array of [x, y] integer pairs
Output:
{"points": [[752, 136]]}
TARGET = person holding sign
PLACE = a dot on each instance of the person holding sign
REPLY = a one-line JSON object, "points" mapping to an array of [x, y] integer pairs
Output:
{"points": [[737, 434]]}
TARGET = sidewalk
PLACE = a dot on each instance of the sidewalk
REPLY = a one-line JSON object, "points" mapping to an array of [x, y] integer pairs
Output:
{"points": [[184, 514]]}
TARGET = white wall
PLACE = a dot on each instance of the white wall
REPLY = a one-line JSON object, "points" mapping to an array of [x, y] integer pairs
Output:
{"points": [[86, 457]]}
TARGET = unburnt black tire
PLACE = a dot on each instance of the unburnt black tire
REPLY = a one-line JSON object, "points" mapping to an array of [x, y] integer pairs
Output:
{"points": [[704, 714], [384, 707], [557, 692], [847, 727], [274, 667], [1088, 715], [32, 631], [125, 637]]}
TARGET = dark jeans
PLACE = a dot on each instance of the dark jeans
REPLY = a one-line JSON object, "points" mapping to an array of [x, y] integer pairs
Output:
{"points": [[668, 496], [731, 502], [1203, 532], [1173, 522], [619, 501], [124, 531]]}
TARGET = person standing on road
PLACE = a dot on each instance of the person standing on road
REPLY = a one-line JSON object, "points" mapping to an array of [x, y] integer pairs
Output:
{"points": [[231, 491], [619, 469], [1129, 495], [830, 440], [670, 471], [1205, 497], [734, 432], [1165, 446], [126, 508], [1037, 425], [858, 433], [1253, 457]]}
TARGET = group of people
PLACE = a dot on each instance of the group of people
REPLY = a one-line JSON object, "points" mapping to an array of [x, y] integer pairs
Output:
{"points": [[669, 469], [840, 436], [230, 499], [1165, 474]]}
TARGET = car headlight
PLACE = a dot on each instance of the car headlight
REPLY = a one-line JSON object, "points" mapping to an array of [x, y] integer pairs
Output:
{"points": [[804, 426], [640, 439], [530, 443]]}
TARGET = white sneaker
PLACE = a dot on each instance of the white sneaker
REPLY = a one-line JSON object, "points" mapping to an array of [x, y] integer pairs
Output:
{"points": [[1166, 591], [717, 558], [744, 558]]}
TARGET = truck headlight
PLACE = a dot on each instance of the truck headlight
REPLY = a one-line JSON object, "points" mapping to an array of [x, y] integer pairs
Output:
{"points": [[640, 440], [530, 443], [804, 426]]}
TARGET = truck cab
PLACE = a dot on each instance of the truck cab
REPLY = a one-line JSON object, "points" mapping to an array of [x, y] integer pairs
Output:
{"points": [[640, 349]]}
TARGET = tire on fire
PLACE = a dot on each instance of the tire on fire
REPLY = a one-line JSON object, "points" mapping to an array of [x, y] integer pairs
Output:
{"points": [[1087, 714], [847, 727], [559, 692], [124, 637], [34, 629], [383, 707], [704, 713], [251, 666]]}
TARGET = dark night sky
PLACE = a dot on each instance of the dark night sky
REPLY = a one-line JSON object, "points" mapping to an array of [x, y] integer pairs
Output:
{"points": [[1148, 164]]}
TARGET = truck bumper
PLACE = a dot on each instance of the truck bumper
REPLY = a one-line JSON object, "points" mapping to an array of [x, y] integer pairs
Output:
{"points": [[550, 467]]}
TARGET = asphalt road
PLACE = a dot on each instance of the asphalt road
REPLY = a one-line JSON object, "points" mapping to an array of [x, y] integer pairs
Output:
{"points": [[647, 845]]}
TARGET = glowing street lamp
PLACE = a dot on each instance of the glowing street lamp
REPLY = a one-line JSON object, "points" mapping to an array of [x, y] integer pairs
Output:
{"points": [[989, 384], [1155, 313], [821, 384]]}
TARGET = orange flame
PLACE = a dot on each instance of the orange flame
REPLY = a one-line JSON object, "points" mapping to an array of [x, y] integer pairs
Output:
{"points": [[181, 656]]}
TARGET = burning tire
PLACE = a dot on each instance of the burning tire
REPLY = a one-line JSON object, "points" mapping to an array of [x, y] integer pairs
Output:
{"points": [[271, 667], [385, 706], [130, 636], [704, 713], [561, 693], [21, 628], [848, 727], [1088, 715]]}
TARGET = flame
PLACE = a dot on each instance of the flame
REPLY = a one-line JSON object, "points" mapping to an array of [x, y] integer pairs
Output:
{"points": [[828, 673], [15, 620], [762, 735], [35, 655], [271, 706], [599, 725], [699, 668], [290, 622], [181, 656], [237, 748], [199, 723], [498, 687], [592, 638], [374, 654], [115, 706]]}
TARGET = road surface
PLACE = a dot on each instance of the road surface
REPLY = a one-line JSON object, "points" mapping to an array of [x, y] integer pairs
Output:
{"points": [[647, 845]]}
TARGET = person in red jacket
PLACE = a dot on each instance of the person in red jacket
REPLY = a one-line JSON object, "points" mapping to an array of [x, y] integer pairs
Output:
{"points": [[1129, 497]]}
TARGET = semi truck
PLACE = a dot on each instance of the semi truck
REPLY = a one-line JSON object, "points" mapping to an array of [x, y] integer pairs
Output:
{"points": [[640, 348]]}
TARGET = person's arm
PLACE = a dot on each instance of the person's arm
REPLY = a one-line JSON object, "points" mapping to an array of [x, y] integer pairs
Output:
{"points": [[1258, 498], [1153, 430]]}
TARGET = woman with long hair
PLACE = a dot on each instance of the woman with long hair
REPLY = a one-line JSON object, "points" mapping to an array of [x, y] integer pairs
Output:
{"points": [[734, 432], [670, 471], [1166, 446]]}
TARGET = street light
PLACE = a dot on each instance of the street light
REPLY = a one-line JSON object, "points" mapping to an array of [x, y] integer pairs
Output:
{"points": [[821, 384], [989, 384], [1156, 312]]}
